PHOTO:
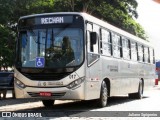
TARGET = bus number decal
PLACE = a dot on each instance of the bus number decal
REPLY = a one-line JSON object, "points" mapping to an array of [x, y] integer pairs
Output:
{"points": [[73, 76]]}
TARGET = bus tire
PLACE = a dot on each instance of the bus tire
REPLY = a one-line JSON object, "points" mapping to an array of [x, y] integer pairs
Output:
{"points": [[139, 94], [102, 101], [48, 103]]}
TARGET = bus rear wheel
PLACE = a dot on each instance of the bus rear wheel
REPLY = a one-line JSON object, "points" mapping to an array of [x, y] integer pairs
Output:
{"points": [[102, 101], [48, 103], [139, 94]]}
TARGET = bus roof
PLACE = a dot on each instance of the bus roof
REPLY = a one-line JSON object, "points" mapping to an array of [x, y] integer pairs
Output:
{"points": [[100, 22]]}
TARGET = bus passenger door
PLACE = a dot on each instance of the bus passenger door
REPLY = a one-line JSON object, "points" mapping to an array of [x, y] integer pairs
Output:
{"points": [[93, 63]]}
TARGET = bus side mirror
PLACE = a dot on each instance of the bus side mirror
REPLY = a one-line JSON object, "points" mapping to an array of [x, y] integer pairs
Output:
{"points": [[93, 37]]}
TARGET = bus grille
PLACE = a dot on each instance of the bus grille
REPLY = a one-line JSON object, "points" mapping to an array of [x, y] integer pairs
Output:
{"points": [[45, 76], [55, 95]]}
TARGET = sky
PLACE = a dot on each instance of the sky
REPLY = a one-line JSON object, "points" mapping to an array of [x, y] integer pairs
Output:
{"points": [[149, 18]]}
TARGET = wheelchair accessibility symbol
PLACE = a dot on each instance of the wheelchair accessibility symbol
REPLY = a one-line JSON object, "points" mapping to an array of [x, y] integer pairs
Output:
{"points": [[40, 62]]}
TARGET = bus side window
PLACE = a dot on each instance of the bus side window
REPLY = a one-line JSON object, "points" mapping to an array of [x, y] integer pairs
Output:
{"points": [[90, 29], [152, 57], [106, 45], [137, 51], [96, 29], [92, 47], [133, 51], [149, 61], [116, 42], [145, 54], [126, 48], [140, 53]]}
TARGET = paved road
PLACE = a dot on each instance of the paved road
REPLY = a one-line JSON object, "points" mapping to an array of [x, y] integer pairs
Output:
{"points": [[82, 109]]}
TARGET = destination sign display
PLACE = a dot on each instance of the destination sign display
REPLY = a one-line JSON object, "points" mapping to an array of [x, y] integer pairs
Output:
{"points": [[44, 20], [52, 20]]}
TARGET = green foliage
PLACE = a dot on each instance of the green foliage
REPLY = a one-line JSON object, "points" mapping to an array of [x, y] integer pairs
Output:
{"points": [[120, 13], [119, 17], [7, 42], [28, 7]]}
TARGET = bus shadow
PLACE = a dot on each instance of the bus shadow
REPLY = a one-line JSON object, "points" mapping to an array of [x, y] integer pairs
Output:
{"points": [[75, 105], [120, 100], [78, 108], [13, 101]]}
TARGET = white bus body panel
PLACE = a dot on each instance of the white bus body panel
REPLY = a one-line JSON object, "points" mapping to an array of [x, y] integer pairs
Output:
{"points": [[124, 76], [93, 81]]}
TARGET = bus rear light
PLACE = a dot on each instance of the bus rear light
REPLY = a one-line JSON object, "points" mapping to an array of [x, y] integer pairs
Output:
{"points": [[75, 83], [20, 84]]}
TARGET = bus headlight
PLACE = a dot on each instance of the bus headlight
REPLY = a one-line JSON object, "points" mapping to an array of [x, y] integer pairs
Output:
{"points": [[75, 83], [19, 84]]}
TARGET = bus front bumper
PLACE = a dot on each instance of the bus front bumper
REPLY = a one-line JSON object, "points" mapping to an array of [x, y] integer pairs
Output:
{"points": [[59, 93]]}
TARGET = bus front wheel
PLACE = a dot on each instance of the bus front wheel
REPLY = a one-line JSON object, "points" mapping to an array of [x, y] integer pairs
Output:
{"points": [[48, 103], [102, 101]]}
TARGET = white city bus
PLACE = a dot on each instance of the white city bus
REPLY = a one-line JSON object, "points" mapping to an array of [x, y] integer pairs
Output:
{"points": [[75, 56]]}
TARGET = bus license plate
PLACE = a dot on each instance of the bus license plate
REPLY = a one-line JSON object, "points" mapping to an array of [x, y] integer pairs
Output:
{"points": [[48, 94]]}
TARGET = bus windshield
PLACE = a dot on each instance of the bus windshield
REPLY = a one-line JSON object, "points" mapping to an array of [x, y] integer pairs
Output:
{"points": [[51, 48]]}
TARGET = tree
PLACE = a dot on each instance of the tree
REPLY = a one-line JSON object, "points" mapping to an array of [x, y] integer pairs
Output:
{"points": [[120, 13], [27, 7], [7, 42]]}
